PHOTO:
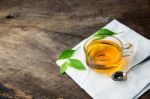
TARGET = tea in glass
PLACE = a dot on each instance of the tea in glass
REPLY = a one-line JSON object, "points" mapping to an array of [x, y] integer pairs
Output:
{"points": [[105, 55]]}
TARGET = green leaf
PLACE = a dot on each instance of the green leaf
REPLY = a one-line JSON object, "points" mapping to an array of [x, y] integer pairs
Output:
{"points": [[100, 37], [66, 54], [104, 32], [77, 64], [64, 67]]}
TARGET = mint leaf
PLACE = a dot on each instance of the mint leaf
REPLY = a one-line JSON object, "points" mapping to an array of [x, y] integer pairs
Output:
{"points": [[64, 67], [100, 37], [77, 64], [104, 32], [66, 54]]}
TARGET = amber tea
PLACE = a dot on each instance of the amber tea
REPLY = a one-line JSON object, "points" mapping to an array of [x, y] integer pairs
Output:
{"points": [[105, 55]]}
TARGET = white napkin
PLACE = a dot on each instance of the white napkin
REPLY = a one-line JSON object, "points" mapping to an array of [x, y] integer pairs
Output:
{"points": [[99, 86]]}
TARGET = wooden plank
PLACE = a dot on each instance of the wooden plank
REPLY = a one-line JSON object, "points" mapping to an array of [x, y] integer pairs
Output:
{"points": [[34, 32]]}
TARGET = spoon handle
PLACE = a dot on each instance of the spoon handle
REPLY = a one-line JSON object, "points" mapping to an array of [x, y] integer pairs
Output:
{"points": [[143, 61]]}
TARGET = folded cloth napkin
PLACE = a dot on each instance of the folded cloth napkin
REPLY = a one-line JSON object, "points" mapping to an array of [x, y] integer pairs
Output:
{"points": [[99, 86]]}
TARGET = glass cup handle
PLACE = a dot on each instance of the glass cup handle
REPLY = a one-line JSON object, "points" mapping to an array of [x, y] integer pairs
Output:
{"points": [[127, 49]]}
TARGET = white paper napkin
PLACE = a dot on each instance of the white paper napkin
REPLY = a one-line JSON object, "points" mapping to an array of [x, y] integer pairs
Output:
{"points": [[99, 86]]}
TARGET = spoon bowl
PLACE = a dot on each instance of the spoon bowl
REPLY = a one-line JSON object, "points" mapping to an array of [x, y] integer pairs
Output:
{"points": [[119, 76]]}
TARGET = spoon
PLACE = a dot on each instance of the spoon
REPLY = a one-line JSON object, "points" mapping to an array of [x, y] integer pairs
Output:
{"points": [[122, 76]]}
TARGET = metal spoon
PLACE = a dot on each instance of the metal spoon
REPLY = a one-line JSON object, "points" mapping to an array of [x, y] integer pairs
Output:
{"points": [[121, 76]]}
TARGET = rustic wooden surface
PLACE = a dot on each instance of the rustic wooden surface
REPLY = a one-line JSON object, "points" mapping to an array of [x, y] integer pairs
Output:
{"points": [[34, 32]]}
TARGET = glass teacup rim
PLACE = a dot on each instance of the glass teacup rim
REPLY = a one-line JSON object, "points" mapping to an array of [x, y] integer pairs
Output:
{"points": [[96, 38]]}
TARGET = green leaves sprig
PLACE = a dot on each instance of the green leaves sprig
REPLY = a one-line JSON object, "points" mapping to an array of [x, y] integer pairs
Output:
{"points": [[75, 63], [102, 33]]}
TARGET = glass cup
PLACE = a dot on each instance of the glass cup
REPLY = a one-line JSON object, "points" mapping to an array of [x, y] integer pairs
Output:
{"points": [[106, 55]]}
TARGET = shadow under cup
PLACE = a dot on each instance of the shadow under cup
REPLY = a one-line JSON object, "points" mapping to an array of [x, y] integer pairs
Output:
{"points": [[105, 55]]}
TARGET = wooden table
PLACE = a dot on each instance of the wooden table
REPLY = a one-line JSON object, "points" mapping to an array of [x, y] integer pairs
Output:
{"points": [[34, 32]]}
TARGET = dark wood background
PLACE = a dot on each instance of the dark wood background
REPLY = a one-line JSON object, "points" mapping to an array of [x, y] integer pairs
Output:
{"points": [[34, 32]]}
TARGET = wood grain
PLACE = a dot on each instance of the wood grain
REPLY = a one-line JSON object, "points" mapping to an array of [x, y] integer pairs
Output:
{"points": [[34, 32]]}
